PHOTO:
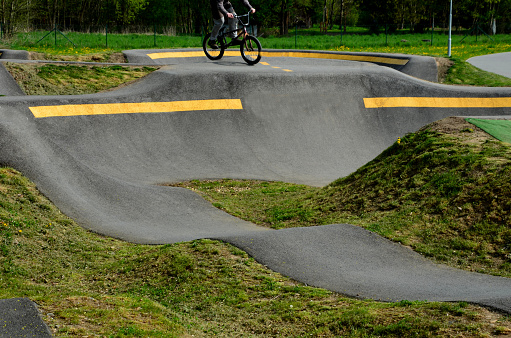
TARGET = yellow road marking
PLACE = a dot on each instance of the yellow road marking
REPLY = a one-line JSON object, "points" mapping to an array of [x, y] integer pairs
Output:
{"points": [[349, 57], [379, 59], [134, 108], [437, 102], [275, 67], [175, 55], [170, 55]]}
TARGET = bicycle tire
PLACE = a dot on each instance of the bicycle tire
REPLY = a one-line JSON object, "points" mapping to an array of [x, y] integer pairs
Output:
{"points": [[251, 50], [213, 54]]}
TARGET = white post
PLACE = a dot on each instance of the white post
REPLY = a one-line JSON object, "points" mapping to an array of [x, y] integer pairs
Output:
{"points": [[450, 31]]}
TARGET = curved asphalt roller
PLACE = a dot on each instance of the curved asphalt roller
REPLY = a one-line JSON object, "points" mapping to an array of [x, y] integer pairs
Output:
{"points": [[496, 63], [293, 118]]}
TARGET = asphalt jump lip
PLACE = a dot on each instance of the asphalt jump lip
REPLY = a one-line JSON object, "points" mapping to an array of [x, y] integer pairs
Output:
{"points": [[308, 124]]}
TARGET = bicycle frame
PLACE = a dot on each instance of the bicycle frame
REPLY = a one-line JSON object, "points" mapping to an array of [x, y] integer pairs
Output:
{"points": [[242, 30]]}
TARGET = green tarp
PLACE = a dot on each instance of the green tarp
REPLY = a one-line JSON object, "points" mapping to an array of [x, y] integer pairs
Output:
{"points": [[500, 129]]}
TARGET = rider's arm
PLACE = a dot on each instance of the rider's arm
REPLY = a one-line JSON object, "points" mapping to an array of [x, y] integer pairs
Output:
{"points": [[221, 7], [249, 6]]}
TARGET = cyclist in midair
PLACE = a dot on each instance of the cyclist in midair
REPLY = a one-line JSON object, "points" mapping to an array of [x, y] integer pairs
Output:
{"points": [[221, 9]]}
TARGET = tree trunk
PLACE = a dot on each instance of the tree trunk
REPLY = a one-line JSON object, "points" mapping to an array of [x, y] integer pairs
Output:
{"points": [[284, 18]]}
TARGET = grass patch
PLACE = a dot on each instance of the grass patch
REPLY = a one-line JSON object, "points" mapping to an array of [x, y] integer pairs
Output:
{"points": [[51, 79], [443, 191], [88, 284], [463, 73], [99, 42]]}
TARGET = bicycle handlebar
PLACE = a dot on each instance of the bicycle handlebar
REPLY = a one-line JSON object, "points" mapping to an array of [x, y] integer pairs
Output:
{"points": [[241, 16]]}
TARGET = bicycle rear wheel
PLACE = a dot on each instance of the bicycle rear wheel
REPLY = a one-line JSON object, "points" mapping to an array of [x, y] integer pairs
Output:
{"points": [[213, 54], [251, 50]]}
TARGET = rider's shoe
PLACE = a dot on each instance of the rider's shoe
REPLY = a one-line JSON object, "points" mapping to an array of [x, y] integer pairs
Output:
{"points": [[212, 44]]}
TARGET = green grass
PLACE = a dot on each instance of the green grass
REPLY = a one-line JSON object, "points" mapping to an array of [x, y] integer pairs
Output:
{"points": [[357, 38], [305, 39], [51, 79], [87, 284], [102, 41], [463, 73]]}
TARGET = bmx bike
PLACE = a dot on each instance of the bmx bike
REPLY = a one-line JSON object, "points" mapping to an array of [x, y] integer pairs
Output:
{"points": [[250, 47]]}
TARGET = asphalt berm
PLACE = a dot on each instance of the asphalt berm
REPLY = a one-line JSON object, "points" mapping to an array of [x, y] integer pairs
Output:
{"points": [[297, 119]]}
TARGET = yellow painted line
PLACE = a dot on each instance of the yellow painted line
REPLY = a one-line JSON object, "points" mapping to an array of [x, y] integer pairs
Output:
{"points": [[134, 108], [170, 55], [349, 57], [379, 59], [437, 102], [264, 63], [287, 70], [175, 55]]}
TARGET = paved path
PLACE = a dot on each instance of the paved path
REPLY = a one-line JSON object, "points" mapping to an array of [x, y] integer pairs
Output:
{"points": [[19, 317], [100, 159], [499, 63]]}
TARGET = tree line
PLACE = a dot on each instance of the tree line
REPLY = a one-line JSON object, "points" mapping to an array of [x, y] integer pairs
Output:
{"points": [[187, 16]]}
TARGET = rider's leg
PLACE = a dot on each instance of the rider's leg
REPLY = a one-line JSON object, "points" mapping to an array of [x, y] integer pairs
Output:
{"points": [[233, 23], [218, 23]]}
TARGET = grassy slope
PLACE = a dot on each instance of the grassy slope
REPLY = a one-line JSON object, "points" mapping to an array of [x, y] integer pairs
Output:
{"points": [[463, 73], [87, 285]]}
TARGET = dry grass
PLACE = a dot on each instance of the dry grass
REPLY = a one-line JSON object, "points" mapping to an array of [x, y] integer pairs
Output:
{"points": [[72, 79]]}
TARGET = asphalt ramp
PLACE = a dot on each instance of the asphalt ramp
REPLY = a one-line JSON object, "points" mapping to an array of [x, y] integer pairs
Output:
{"points": [[361, 264], [102, 159]]}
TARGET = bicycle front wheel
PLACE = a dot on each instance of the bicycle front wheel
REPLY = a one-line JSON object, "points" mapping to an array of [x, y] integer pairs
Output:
{"points": [[213, 54], [251, 50]]}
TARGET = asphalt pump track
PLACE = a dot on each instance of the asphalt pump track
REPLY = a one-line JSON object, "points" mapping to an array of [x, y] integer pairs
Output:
{"points": [[102, 158]]}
